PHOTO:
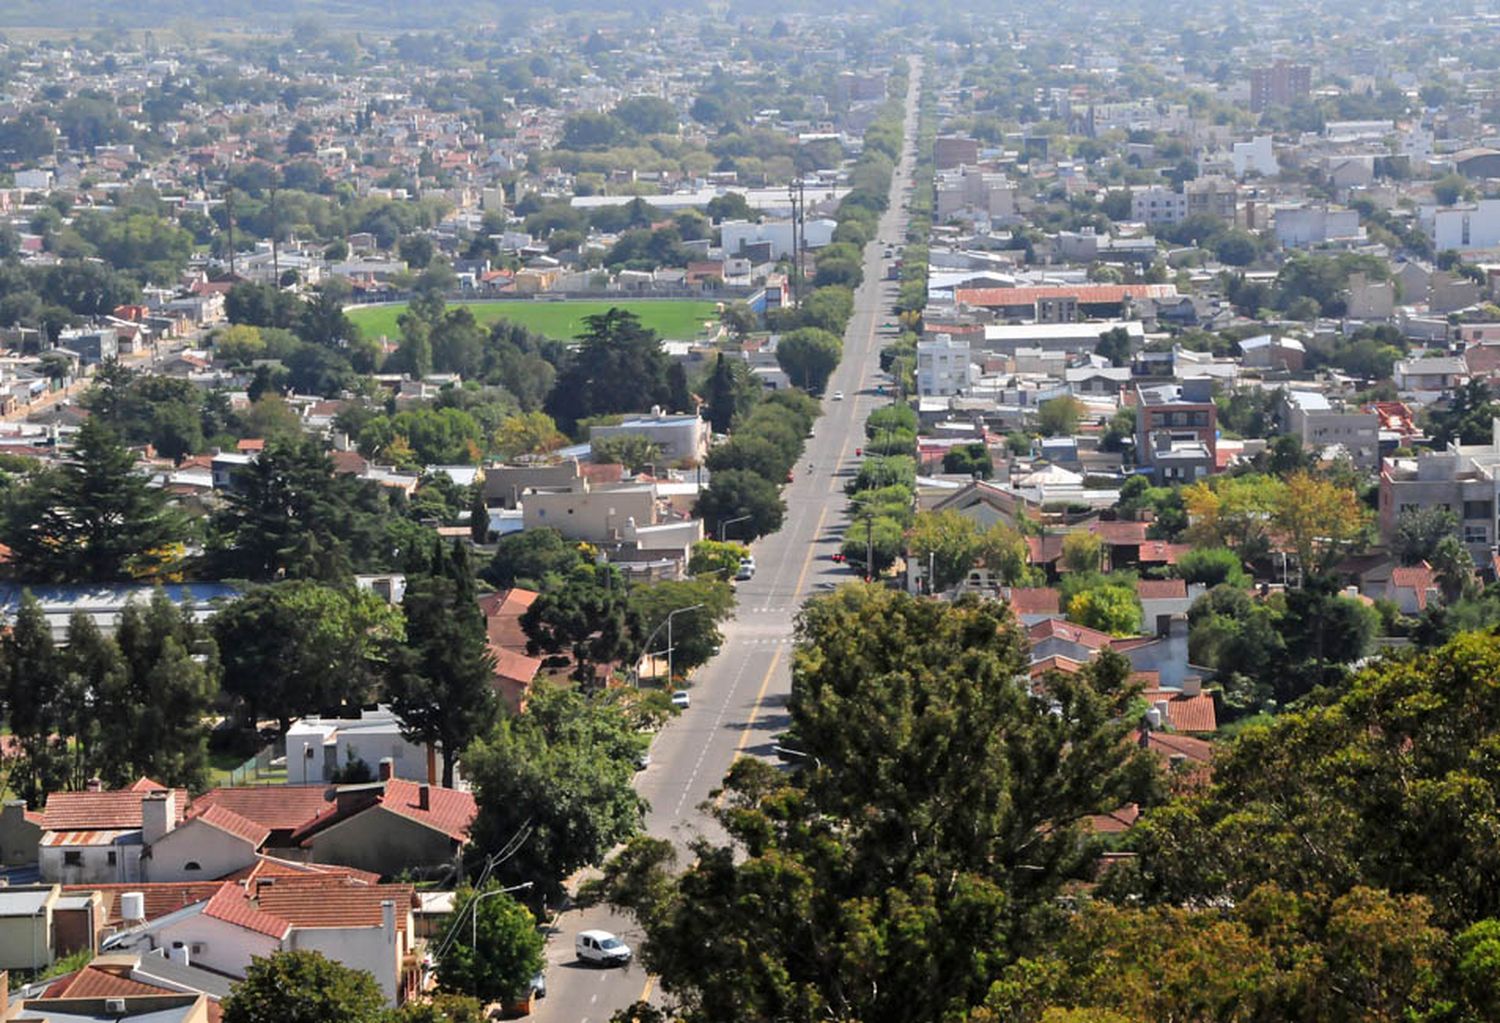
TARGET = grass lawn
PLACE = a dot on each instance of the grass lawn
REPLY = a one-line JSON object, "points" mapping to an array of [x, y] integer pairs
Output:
{"points": [[673, 319]]}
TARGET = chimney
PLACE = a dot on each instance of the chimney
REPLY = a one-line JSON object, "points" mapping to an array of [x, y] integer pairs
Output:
{"points": [[158, 815], [388, 920], [387, 768], [1192, 685], [424, 796], [93, 785]]}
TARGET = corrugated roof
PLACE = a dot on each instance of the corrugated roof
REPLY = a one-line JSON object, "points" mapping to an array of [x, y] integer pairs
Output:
{"points": [[1086, 294]]}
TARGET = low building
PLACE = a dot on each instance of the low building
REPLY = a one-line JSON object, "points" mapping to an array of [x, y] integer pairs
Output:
{"points": [[680, 438], [1326, 430], [317, 748]]}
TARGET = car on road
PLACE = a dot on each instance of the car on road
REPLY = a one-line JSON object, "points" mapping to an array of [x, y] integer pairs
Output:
{"points": [[789, 477], [601, 948], [747, 565], [838, 395], [680, 699]]}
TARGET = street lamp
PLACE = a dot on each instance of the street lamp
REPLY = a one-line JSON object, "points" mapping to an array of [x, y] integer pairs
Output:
{"points": [[474, 910], [729, 522], [670, 616]]}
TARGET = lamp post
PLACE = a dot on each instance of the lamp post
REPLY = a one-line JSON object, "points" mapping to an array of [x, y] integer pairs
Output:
{"points": [[729, 522], [670, 616], [474, 911]]}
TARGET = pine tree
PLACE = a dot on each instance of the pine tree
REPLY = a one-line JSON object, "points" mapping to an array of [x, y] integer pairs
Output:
{"points": [[158, 704], [34, 677], [96, 519], [681, 396], [721, 404], [442, 685]]}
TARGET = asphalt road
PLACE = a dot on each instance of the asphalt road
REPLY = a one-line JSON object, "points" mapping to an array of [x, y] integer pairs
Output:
{"points": [[739, 698]]}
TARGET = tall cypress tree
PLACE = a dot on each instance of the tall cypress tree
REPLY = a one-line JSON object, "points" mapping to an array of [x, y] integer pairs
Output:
{"points": [[442, 685], [34, 678], [721, 405]]}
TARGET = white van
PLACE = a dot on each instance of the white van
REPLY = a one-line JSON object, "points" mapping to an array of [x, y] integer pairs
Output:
{"points": [[601, 948]]}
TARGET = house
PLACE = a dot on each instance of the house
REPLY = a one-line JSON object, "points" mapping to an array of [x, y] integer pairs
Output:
{"points": [[515, 669], [363, 926], [390, 826], [679, 438], [26, 927], [317, 748], [1268, 352], [98, 836], [1188, 709], [1413, 588], [280, 809], [1162, 600], [20, 834], [214, 842], [149, 982], [1325, 430], [1177, 430], [1463, 479], [1431, 376]]}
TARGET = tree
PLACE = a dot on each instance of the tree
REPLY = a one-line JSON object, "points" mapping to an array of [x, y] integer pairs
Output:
{"points": [[739, 492], [298, 646], [1211, 566], [562, 772], [1114, 344], [969, 460], [935, 850], [492, 947], [35, 675], [1114, 609], [95, 519], [442, 684], [1003, 551], [1322, 520], [1234, 512], [534, 557], [528, 433], [634, 451], [618, 366], [1419, 531], [303, 987], [1237, 248], [710, 557], [94, 666], [946, 542], [695, 634], [1468, 417], [646, 115], [159, 703], [722, 402], [586, 620], [748, 452], [1082, 551], [808, 356], [1058, 417]]}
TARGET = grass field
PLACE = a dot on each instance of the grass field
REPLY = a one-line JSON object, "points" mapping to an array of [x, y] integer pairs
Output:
{"points": [[676, 320]]}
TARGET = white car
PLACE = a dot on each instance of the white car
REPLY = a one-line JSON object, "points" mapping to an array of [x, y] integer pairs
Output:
{"points": [[746, 569], [680, 699], [601, 948], [838, 395]]}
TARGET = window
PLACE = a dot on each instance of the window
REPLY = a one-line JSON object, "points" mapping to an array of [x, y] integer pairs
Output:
{"points": [[1479, 510], [72, 858], [109, 857], [1476, 534], [191, 865]]}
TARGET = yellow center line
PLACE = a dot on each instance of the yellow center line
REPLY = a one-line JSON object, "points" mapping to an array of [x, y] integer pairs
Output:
{"points": [[646, 991]]}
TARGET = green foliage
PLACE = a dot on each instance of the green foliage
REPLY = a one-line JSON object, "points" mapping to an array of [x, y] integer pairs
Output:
{"points": [[94, 519], [969, 460], [303, 987], [876, 538], [1467, 418], [563, 770], [1111, 608], [618, 366], [695, 633], [945, 542], [492, 947], [1058, 417], [932, 827], [1114, 344], [712, 558], [586, 619], [294, 647], [1419, 531], [534, 558], [897, 416], [808, 356], [1212, 566], [634, 451], [442, 679], [894, 470], [736, 492], [425, 436]]}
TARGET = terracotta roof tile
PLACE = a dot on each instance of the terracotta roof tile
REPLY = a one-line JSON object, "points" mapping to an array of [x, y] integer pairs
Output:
{"points": [[332, 902], [273, 867], [160, 898], [1057, 628], [1116, 821], [231, 905], [448, 810], [83, 811], [1034, 600], [1170, 744], [1186, 713], [90, 982], [1159, 552], [1161, 589], [1119, 532], [278, 807], [231, 823]]}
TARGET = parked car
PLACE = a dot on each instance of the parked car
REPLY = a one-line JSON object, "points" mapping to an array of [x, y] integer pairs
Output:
{"points": [[680, 699], [601, 948], [838, 395], [747, 566]]}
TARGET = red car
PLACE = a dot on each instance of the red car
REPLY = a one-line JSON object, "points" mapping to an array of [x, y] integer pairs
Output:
{"points": [[789, 476], [859, 452], [838, 556]]}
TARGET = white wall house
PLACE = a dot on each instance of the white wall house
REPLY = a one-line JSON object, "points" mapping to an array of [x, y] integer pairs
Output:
{"points": [[1474, 225], [736, 234], [316, 747], [943, 366]]}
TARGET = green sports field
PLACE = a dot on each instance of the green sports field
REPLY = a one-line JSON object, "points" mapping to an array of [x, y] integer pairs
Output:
{"points": [[678, 320]]}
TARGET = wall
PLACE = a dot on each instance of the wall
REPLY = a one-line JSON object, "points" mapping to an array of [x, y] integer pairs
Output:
{"points": [[591, 515], [380, 841], [363, 948], [225, 947], [25, 941], [215, 852], [95, 868], [18, 836]]}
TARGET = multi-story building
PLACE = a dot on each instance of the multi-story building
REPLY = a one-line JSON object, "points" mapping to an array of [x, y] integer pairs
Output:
{"points": [[1463, 479], [1310, 416], [949, 151], [943, 366], [1280, 85], [972, 191], [1177, 430]]}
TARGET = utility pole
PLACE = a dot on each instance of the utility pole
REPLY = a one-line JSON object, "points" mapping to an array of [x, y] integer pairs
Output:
{"points": [[869, 546], [791, 194], [229, 222], [275, 250]]}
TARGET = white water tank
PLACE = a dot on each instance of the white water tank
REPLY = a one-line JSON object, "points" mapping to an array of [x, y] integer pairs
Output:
{"points": [[132, 906], [180, 956]]}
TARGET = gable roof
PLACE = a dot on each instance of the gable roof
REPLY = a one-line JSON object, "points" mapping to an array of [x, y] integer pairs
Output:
{"points": [[1034, 600], [278, 807], [332, 902], [1161, 589], [91, 982], [1161, 552], [1057, 628], [226, 820], [1185, 713], [231, 905], [99, 811], [448, 811], [160, 898]]}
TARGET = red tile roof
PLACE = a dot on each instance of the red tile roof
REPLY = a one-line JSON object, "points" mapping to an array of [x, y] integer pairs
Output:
{"points": [[231, 823], [1057, 628], [91, 982], [278, 807], [1119, 532], [1034, 600], [271, 866], [97, 811], [332, 902], [1056, 662], [1417, 578], [1086, 294], [1159, 552], [1161, 589], [448, 810], [1116, 821], [231, 905], [160, 898], [1186, 713], [1171, 744]]}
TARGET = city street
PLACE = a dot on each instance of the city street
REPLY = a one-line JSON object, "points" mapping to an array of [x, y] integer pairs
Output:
{"points": [[738, 699]]}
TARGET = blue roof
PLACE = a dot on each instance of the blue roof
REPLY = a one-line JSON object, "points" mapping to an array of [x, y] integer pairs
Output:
{"points": [[104, 595]]}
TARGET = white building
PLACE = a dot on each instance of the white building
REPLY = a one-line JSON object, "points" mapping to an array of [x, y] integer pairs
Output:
{"points": [[1473, 225], [679, 437], [1255, 156], [317, 747], [737, 234], [975, 192], [943, 366], [1301, 226]]}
